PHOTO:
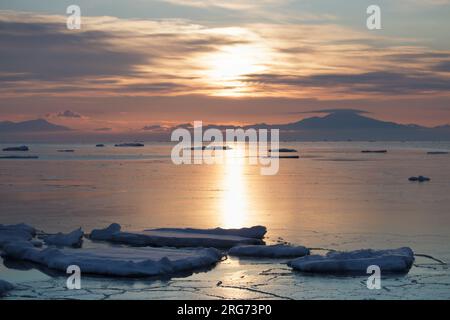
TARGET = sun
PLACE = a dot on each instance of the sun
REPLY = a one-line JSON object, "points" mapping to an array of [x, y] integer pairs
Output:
{"points": [[226, 68]]}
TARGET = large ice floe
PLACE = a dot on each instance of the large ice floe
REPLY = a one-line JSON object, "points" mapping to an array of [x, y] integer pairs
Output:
{"points": [[356, 262], [72, 239], [177, 237], [5, 287], [273, 251], [117, 261]]}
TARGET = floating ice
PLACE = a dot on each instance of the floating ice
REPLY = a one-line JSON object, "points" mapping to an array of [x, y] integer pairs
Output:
{"points": [[256, 232], [5, 287], [117, 261], [73, 239], [21, 148], [16, 232], [105, 234], [282, 150], [419, 179], [374, 151], [274, 251], [356, 262], [19, 157], [173, 237], [37, 243], [131, 144]]}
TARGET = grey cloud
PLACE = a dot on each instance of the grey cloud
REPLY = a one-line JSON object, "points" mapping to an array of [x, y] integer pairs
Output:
{"points": [[337, 110], [68, 114], [443, 66], [46, 51], [369, 82]]}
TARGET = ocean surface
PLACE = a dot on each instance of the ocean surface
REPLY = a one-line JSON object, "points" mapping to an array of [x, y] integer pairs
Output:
{"points": [[333, 197]]}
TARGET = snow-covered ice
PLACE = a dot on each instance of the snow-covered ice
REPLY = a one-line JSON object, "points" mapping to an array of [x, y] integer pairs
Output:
{"points": [[105, 234], [37, 243], [173, 237], [356, 262], [5, 287], [256, 232], [16, 232], [72, 239], [273, 251], [117, 261]]}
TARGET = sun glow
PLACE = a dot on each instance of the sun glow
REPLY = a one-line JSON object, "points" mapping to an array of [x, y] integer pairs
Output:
{"points": [[226, 68]]}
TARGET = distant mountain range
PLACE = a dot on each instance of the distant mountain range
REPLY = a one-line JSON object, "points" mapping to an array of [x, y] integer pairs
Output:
{"points": [[335, 125], [348, 125], [30, 126], [351, 125]]}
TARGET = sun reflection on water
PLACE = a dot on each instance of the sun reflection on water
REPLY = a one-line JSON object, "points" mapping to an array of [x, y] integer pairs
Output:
{"points": [[234, 201]]}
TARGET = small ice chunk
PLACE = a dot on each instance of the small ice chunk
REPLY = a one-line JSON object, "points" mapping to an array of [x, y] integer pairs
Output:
{"points": [[281, 150], [273, 251], [105, 234], [72, 239], [117, 261], [16, 232], [5, 287], [131, 144], [19, 157], [374, 151], [419, 179], [173, 237], [20, 148], [356, 262]]}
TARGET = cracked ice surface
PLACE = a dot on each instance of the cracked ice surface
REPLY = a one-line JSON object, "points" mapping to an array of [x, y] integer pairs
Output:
{"points": [[256, 281], [234, 278]]}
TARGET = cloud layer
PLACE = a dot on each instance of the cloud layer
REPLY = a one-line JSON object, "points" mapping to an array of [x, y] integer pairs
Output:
{"points": [[169, 70]]}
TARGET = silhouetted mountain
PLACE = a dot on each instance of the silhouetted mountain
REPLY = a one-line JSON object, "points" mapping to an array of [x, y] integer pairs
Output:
{"points": [[341, 121], [38, 125], [347, 124], [351, 125]]}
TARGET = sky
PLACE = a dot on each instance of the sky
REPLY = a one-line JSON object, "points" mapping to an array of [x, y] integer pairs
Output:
{"points": [[139, 63]]}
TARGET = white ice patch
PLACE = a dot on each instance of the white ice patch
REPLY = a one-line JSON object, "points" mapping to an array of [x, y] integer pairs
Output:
{"points": [[274, 251], [172, 237], [72, 239], [5, 287], [356, 262], [117, 261]]}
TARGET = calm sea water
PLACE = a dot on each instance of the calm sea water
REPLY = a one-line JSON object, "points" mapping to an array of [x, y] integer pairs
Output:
{"points": [[334, 196]]}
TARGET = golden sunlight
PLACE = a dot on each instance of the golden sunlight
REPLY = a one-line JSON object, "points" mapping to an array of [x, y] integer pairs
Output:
{"points": [[226, 67], [234, 201]]}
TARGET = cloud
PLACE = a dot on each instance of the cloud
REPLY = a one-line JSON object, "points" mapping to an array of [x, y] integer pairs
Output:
{"points": [[68, 114], [340, 110], [152, 128], [443, 66], [377, 82], [229, 4], [107, 56], [119, 57]]}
